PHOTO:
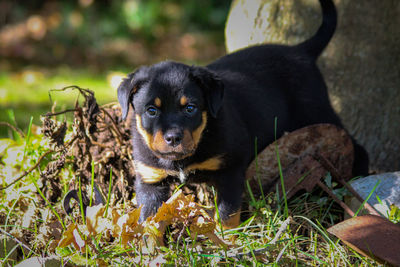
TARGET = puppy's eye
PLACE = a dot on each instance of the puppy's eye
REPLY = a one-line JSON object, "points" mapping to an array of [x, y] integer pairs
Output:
{"points": [[151, 111], [190, 109]]}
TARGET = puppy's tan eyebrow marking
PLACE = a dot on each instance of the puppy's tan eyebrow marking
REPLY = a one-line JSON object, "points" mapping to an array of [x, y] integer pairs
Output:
{"points": [[157, 102], [183, 101]]}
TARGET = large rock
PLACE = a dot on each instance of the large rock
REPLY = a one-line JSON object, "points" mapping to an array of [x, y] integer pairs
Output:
{"points": [[360, 65]]}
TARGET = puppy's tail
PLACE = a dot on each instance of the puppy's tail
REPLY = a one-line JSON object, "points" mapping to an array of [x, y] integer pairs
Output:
{"points": [[314, 46]]}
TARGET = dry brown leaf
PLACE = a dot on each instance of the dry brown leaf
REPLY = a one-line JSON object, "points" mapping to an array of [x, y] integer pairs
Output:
{"points": [[115, 217], [79, 242], [170, 209], [95, 221], [202, 225], [183, 209], [178, 208], [101, 263], [67, 237], [128, 226], [72, 236]]}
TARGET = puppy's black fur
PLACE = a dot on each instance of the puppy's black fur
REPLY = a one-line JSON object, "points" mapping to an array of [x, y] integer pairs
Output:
{"points": [[201, 123]]}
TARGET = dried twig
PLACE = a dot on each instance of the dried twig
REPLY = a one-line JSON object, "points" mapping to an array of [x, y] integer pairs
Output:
{"points": [[120, 136], [98, 144], [83, 91], [109, 104], [14, 128], [28, 171], [60, 112], [281, 229]]}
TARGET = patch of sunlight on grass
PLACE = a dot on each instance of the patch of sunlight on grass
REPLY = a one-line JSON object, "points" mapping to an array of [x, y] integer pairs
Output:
{"points": [[31, 86], [114, 79], [26, 92]]}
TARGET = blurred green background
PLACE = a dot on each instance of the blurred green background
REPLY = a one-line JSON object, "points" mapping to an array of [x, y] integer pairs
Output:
{"points": [[93, 44]]}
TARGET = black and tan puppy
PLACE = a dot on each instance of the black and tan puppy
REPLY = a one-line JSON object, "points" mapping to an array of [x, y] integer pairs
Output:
{"points": [[201, 123]]}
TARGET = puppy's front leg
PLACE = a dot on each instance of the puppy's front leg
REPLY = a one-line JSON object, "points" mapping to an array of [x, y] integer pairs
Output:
{"points": [[150, 197], [229, 198]]}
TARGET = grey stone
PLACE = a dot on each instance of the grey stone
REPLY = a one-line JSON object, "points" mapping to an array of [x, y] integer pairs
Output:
{"points": [[388, 191], [51, 261]]}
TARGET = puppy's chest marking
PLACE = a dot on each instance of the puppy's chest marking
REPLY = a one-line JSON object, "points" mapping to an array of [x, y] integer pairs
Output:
{"points": [[151, 175], [182, 176]]}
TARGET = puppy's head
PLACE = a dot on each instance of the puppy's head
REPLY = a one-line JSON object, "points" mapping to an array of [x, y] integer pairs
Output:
{"points": [[171, 102]]}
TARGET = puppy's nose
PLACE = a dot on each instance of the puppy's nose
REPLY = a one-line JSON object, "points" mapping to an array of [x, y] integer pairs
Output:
{"points": [[173, 137]]}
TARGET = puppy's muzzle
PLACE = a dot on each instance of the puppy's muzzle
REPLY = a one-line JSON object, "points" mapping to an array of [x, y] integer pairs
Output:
{"points": [[175, 143], [173, 137]]}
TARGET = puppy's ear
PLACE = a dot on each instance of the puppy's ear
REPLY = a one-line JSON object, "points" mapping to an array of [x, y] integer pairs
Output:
{"points": [[125, 92], [212, 85], [128, 88]]}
